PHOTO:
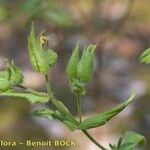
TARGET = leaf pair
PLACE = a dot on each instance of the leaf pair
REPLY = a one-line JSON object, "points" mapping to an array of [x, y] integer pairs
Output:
{"points": [[42, 60]]}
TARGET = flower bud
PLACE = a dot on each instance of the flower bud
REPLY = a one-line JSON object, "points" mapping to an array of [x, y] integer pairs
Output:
{"points": [[73, 63]]}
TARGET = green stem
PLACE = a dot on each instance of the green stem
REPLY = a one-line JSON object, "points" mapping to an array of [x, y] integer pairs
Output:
{"points": [[80, 120], [52, 98], [56, 103], [93, 140], [48, 85], [29, 90], [79, 107]]}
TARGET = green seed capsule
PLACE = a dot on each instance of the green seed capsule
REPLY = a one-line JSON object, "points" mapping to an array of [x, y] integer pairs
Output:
{"points": [[85, 65], [73, 63]]}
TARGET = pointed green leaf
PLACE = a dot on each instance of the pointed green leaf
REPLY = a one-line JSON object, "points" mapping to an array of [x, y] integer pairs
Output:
{"points": [[4, 83], [85, 65], [103, 118], [31, 97], [46, 113], [14, 74], [73, 62], [62, 108], [38, 57], [145, 57], [131, 140]]}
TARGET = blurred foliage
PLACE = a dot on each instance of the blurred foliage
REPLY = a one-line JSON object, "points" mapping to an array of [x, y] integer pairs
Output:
{"points": [[3, 13], [47, 10], [119, 28]]}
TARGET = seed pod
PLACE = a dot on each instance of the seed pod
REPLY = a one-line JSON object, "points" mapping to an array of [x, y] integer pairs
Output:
{"points": [[85, 65], [72, 65], [13, 74]]}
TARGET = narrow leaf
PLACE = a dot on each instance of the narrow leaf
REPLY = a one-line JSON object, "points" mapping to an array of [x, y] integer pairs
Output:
{"points": [[38, 57], [4, 83], [46, 113], [31, 97], [73, 62], [103, 118], [63, 110], [13, 74], [85, 65]]}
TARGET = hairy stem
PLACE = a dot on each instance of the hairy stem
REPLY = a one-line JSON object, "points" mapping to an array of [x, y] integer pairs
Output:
{"points": [[79, 107], [93, 140]]}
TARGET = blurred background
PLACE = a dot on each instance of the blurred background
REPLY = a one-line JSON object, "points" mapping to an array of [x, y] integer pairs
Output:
{"points": [[121, 30]]}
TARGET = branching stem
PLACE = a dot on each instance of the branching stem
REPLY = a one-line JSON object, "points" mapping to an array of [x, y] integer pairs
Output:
{"points": [[80, 120]]}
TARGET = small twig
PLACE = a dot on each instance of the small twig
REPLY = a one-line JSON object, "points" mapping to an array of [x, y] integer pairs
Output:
{"points": [[79, 107]]}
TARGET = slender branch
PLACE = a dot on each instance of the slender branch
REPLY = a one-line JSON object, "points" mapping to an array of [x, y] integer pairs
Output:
{"points": [[54, 101], [80, 120], [93, 140], [79, 107], [28, 90], [22, 87], [52, 98], [48, 85]]}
